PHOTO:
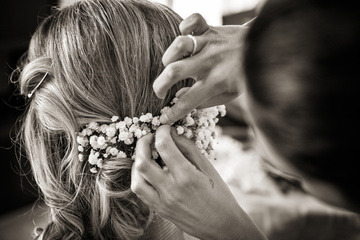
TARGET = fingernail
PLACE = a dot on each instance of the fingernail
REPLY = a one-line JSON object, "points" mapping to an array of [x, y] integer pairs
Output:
{"points": [[164, 119]]}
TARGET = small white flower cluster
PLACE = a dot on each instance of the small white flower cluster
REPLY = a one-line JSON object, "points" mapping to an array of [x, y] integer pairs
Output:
{"points": [[98, 142]]}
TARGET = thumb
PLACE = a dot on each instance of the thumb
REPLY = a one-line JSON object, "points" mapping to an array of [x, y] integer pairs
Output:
{"points": [[192, 153], [191, 99]]}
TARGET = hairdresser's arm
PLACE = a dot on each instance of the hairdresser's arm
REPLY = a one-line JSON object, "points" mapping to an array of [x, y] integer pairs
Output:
{"points": [[216, 66], [188, 191]]}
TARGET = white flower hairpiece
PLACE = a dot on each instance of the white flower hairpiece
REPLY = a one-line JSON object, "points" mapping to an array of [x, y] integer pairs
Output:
{"points": [[99, 142]]}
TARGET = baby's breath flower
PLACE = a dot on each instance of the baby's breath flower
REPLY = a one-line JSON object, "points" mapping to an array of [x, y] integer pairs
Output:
{"points": [[189, 121], [133, 128], [110, 131], [103, 128], [149, 117], [180, 130], [83, 133], [123, 136], [121, 125], [199, 144], [135, 120], [93, 142], [133, 156], [143, 118], [82, 140], [202, 120], [156, 121], [222, 110], [189, 134], [114, 151], [89, 131], [121, 154], [80, 148], [99, 163], [154, 154], [200, 136], [211, 124], [128, 121], [138, 133], [93, 157], [93, 125], [129, 141], [114, 118], [101, 142], [175, 100]]}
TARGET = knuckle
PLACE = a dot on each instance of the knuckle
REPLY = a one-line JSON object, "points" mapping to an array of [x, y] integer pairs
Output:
{"points": [[179, 43], [136, 188], [140, 166], [171, 114], [194, 24], [196, 18], [184, 103], [161, 144], [172, 71]]}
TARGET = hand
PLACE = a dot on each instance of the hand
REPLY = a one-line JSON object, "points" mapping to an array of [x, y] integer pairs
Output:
{"points": [[215, 65], [188, 191]]}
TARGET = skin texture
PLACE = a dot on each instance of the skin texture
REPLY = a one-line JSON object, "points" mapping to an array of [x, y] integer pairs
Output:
{"points": [[188, 190], [183, 191], [215, 66]]}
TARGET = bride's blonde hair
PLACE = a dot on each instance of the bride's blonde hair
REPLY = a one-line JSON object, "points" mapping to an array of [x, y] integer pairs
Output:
{"points": [[101, 57]]}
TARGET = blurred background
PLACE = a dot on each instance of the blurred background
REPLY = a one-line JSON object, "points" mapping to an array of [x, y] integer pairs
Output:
{"points": [[19, 19]]}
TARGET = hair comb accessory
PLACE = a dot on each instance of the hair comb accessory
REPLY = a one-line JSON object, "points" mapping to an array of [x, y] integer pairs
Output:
{"points": [[32, 92], [99, 142]]}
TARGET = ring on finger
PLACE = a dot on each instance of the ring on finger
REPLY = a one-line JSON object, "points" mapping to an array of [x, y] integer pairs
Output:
{"points": [[195, 44]]}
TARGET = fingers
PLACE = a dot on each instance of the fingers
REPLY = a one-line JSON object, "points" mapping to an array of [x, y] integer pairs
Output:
{"points": [[168, 150], [195, 24], [218, 100], [146, 192], [182, 47], [176, 72], [194, 97], [192, 153], [143, 164], [145, 172], [181, 92]]}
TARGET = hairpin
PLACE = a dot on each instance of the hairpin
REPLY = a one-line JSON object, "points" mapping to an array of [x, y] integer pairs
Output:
{"points": [[32, 92]]}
